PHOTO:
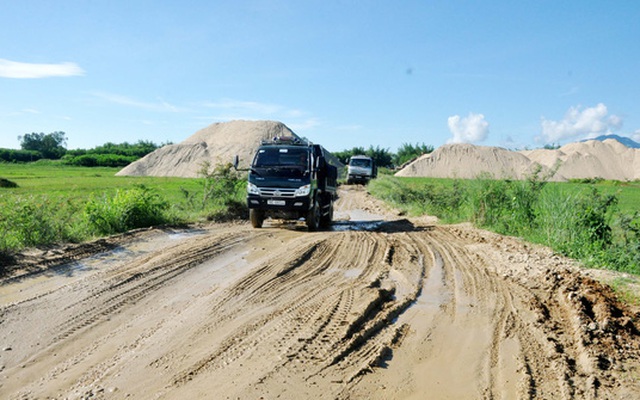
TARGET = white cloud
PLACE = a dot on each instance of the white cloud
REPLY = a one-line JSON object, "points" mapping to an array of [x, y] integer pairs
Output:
{"points": [[230, 109], [255, 109], [306, 124], [580, 123], [18, 70], [636, 135], [244, 107], [473, 128], [127, 101]]}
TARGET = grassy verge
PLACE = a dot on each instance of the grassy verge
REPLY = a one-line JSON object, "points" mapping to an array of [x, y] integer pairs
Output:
{"points": [[53, 203], [596, 223]]}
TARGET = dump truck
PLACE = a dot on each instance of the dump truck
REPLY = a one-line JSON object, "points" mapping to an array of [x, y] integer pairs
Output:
{"points": [[290, 178], [361, 169]]}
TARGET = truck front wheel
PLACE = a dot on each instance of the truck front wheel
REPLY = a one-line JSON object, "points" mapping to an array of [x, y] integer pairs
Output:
{"points": [[325, 220], [313, 217], [256, 217]]}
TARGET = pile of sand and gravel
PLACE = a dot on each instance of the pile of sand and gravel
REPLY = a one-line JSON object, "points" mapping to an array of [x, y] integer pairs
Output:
{"points": [[608, 159], [220, 142], [216, 144]]}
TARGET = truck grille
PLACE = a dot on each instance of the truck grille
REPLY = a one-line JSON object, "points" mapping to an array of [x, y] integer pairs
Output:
{"points": [[277, 192]]}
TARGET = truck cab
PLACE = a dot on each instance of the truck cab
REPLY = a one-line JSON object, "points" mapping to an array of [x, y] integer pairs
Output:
{"points": [[361, 169], [290, 178]]}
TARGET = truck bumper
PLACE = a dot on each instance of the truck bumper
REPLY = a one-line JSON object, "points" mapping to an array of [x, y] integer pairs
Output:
{"points": [[358, 178], [278, 204]]}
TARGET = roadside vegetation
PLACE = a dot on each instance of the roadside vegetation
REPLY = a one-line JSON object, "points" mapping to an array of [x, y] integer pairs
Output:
{"points": [[56, 203], [596, 223]]}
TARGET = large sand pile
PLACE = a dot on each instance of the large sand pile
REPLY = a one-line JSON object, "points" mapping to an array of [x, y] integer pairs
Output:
{"points": [[608, 159], [217, 143], [467, 161], [591, 159]]}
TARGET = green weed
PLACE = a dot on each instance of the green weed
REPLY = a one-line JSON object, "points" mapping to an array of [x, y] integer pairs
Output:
{"points": [[583, 222], [127, 209]]}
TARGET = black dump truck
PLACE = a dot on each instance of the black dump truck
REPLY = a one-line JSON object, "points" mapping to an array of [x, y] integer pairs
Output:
{"points": [[290, 178]]}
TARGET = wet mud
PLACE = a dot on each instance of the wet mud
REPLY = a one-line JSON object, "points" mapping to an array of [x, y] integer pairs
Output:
{"points": [[379, 306]]}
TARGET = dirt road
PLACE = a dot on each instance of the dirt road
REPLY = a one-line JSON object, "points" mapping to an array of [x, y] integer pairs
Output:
{"points": [[379, 307]]}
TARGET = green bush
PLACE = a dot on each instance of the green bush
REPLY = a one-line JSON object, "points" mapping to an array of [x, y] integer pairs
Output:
{"points": [[99, 160], [127, 209], [6, 183], [223, 192], [11, 155], [37, 220]]}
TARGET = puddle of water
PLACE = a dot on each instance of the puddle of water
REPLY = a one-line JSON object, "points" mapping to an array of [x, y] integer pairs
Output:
{"points": [[352, 273], [356, 220], [433, 297], [343, 226], [23, 289]]}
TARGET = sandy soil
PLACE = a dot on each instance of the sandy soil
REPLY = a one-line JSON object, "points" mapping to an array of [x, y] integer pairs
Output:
{"points": [[379, 307]]}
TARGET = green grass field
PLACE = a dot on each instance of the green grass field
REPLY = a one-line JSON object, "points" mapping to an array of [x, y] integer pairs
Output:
{"points": [[57, 180]]}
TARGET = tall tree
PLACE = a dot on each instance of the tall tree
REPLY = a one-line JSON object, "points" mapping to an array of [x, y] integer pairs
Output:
{"points": [[51, 145], [409, 151], [381, 156]]}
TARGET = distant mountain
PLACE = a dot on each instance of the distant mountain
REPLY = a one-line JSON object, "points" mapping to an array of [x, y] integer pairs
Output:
{"points": [[624, 140]]}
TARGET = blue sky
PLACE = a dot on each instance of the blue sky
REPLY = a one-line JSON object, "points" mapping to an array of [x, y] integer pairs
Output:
{"points": [[342, 73]]}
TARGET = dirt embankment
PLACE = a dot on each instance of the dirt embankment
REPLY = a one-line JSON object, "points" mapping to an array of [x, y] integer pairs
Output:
{"points": [[378, 307]]}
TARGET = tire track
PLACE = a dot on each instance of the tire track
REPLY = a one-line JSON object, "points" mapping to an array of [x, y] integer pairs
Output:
{"points": [[138, 281], [329, 322], [402, 310]]}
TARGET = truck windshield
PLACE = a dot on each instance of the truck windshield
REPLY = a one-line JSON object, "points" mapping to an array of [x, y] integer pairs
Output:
{"points": [[282, 157], [360, 162]]}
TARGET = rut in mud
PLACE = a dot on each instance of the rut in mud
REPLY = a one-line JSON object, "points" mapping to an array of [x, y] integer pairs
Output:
{"points": [[380, 307]]}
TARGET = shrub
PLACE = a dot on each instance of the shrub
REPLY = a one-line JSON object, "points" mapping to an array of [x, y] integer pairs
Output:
{"points": [[5, 183], [127, 209], [11, 155], [36, 220], [99, 160], [223, 192]]}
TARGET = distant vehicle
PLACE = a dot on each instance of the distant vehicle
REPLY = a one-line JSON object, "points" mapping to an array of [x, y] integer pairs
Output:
{"points": [[361, 169], [290, 178]]}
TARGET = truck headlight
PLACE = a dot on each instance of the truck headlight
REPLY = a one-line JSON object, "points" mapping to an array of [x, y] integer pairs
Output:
{"points": [[252, 189], [303, 190]]}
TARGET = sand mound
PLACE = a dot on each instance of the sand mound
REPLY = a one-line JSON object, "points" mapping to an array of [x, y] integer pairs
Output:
{"points": [[467, 161], [609, 159], [217, 143]]}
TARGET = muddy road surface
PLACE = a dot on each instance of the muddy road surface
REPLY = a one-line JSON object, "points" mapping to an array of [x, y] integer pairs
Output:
{"points": [[379, 307]]}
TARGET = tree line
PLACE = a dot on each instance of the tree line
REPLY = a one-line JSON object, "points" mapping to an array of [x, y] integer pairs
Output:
{"points": [[385, 158], [53, 146]]}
